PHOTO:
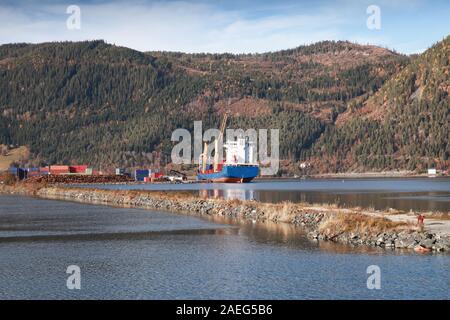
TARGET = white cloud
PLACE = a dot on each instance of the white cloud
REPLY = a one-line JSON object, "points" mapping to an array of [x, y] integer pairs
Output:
{"points": [[190, 27], [178, 26]]}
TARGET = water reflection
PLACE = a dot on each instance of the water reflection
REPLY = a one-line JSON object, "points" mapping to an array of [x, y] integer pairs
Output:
{"points": [[139, 254], [116, 236], [418, 194], [284, 234], [229, 194], [417, 201]]}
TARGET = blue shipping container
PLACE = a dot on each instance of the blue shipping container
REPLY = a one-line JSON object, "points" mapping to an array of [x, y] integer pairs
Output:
{"points": [[13, 170], [139, 175]]}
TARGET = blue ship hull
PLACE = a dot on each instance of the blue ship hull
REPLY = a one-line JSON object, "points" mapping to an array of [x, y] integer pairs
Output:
{"points": [[229, 173]]}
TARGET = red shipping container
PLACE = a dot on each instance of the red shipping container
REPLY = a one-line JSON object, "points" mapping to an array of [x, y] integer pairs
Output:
{"points": [[156, 175], [59, 168], [78, 169]]}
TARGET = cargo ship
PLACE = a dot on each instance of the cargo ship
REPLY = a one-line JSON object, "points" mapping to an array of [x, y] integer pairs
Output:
{"points": [[239, 165], [230, 173]]}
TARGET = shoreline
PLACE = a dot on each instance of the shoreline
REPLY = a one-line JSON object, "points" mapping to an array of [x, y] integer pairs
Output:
{"points": [[358, 175], [355, 227]]}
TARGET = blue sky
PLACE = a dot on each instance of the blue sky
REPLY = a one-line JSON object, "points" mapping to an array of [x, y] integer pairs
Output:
{"points": [[408, 26]]}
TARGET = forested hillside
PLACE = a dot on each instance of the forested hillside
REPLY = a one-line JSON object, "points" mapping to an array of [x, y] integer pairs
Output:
{"points": [[112, 106], [405, 125], [89, 102]]}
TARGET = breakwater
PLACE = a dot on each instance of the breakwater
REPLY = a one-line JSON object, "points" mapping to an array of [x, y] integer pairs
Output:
{"points": [[322, 223]]}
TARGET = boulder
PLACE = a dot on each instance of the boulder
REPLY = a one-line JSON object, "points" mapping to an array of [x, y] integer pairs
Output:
{"points": [[427, 243]]}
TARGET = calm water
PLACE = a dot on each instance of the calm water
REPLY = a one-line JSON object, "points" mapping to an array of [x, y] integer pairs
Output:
{"points": [[139, 254], [419, 194]]}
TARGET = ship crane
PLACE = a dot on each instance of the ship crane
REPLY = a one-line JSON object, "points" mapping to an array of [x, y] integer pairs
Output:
{"points": [[204, 156], [219, 140]]}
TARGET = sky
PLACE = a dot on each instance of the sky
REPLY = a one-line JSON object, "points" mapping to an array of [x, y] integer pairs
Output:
{"points": [[245, 26]]}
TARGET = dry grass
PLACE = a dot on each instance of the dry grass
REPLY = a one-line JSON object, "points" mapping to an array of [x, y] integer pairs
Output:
{"points": [[233, 202], [249, 107], [360, 224], [283, 212], [437, 215]]}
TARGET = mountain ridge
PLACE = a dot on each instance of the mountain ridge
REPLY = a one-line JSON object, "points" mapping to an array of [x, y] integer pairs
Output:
{"points": [[404, 125], [114, 106]]}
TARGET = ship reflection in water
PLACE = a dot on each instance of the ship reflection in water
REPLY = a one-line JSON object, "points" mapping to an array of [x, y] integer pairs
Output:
{"points": [[228, 194], [419, 194], [421, 201]]}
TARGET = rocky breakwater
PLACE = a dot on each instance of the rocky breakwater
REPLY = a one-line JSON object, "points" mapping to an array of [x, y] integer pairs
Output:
{"points": [[323, 223], [354, 229]]}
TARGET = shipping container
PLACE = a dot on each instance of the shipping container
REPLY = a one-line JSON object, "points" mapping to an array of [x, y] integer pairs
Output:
{"points": [[142, 171], [139, 175], [120, 171], [78, 169], [58, 171], [156, 175], [23, 174], [89, 171], [57, 167], [13, 170]]}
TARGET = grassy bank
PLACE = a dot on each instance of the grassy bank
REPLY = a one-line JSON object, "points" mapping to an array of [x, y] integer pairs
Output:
{"points": [[323, 222]]}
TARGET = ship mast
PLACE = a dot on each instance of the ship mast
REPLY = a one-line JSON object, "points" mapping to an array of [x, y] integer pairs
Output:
{"points": [[219, 140], [204, 156]]}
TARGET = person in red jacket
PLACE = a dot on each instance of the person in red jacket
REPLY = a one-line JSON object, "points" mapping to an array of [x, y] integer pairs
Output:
{"points": [[420, 219]]}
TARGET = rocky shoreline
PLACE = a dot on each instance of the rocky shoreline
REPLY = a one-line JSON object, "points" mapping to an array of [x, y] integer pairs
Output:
{"points": [[321, 223]]}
